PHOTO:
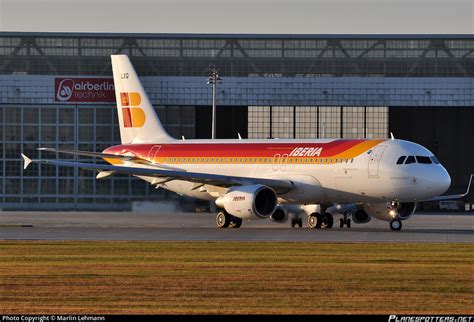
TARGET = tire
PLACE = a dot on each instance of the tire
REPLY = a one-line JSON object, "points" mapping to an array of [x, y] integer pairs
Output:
{"points": [[341, 223], [236, 222], [348, 223], [222, 219], [293, 223], [300, 222], [327, 221], [239, 223], [314, 220], [396, 225]]}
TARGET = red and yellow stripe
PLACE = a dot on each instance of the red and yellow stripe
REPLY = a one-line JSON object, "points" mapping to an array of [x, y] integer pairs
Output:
{"points": [[244, 153]]}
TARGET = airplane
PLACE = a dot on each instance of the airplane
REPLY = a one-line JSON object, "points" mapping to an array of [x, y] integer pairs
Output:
{"points": [[252, 179]]}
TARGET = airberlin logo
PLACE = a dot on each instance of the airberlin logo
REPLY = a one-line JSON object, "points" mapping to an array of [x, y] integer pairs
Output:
{"points": [[84, 90], [133, 115], [306, 152]]}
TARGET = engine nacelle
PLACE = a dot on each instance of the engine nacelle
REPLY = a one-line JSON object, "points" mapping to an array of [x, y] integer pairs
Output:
{"points": [[405, 210], [360, 217], [249, 202], [390, 210], [280, 215]]}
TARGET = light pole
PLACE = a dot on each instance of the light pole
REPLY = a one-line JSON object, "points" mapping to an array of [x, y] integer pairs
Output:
{"points": [[213, 80]]}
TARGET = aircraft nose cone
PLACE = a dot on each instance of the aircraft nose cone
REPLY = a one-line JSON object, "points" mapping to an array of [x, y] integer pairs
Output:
{"points": [[443, 181]]}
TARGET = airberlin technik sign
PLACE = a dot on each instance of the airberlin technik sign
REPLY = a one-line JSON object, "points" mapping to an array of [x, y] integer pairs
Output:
{"points": [[84, 90]]}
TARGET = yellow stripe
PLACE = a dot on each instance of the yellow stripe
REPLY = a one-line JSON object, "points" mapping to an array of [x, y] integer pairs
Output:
{"points": [[358, 149]]}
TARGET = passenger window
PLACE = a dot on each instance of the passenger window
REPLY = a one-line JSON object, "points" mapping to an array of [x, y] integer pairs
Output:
{"points": [[401, 159], [434, 159], [422, 159], [410, 159]]}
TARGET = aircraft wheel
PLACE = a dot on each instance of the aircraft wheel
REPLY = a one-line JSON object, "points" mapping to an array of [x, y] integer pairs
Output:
{"points": [[236, 222], [300, 222], [341, 223], [222, 219], [314, 220], [348, 223], [395, 225], [293, 223], [327, 221]]}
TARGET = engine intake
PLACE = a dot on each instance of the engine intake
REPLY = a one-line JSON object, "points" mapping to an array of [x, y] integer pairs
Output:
{"points": [[406, 210], [249, 202], [361, 217], [390, 210], [280, 215]]}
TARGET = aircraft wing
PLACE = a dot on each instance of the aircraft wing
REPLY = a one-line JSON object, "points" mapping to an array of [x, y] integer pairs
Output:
{"points": [[280, 186], [454, 197], [90, 154], [109, 156]]}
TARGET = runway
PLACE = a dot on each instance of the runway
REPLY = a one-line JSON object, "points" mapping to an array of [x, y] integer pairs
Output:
{"points": [[422, 227]]}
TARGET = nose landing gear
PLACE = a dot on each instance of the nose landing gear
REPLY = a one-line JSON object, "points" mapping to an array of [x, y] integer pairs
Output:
{"points": [[396, 225]]}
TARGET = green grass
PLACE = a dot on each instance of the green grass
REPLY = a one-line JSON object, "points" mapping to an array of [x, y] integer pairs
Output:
{"points": [[235, 277]]}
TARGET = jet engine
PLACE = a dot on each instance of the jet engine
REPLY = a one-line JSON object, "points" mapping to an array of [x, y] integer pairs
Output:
{"points": [[360, 216], [390, 210], [249, 202], [280, 215]]}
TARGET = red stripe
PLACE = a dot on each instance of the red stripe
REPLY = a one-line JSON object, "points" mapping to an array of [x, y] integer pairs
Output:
{"points": [[231, 150], [127, 117]]}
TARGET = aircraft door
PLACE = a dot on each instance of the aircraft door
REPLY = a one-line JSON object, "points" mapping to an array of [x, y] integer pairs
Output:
{"points": [[284, 161], [276, 161], [374, 160]]}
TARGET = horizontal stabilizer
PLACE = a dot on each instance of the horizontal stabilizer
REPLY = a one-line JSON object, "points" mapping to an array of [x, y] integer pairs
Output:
{"points": [[104, 174], [26, 161]]}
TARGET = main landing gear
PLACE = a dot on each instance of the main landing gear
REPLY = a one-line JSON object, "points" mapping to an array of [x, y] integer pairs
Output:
{"points": [[297, 222], [345, 221], [324, 221], [396, 225], [225, 220]]}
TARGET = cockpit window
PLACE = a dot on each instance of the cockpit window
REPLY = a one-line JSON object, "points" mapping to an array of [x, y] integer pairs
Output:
{"points": [[401, 159], [422, 159], [410, 159], [434, 159]]}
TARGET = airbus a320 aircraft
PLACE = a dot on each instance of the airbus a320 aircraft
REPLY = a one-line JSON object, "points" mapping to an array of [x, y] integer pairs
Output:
{"points": [[257, 179]]}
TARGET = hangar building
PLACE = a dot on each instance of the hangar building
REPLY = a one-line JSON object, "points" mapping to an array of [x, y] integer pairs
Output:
{"points": [[420, 87]]}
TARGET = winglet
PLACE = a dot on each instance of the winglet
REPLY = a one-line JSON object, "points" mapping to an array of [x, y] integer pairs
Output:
{"points": [[26, 161], [391, 136], [468, 186], [240, 138]]}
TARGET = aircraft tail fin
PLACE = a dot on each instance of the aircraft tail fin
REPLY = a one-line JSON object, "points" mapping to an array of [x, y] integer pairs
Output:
{"points": [[137, 118]]}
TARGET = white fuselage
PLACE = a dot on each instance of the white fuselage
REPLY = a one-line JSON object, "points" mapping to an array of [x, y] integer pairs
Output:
{"points": [[371, 176]]}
